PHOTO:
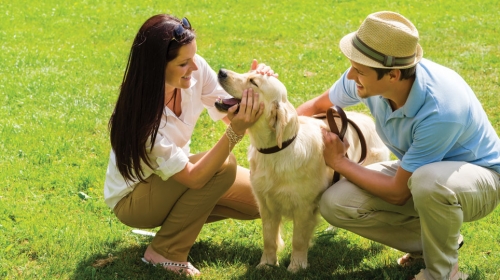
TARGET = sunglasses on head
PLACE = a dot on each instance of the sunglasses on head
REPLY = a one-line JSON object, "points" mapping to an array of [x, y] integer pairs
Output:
{"points": [[180, 29]]}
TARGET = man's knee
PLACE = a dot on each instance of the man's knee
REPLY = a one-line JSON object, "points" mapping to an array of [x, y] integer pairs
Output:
{"points": [[424, 185], [327, 207], [334, 209]]}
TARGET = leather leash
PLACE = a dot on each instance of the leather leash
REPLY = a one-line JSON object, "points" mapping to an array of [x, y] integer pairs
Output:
{"points": [[337, 112]]}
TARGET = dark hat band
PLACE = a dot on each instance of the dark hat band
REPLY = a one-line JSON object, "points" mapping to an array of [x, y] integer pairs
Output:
{"points": [[386, 60]]}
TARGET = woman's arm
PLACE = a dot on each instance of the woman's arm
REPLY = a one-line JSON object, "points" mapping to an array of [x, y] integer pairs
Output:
{"points": [[196, 175]]}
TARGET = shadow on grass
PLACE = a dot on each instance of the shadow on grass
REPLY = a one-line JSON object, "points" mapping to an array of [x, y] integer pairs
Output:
{"points": [[329, 258], [127, 263]]}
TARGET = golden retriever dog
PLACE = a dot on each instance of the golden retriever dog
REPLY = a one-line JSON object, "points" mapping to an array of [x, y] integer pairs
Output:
{"points": [[289, 181]]}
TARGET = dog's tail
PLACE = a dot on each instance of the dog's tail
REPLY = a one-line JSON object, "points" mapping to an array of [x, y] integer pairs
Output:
{"points": [[280, 242]]}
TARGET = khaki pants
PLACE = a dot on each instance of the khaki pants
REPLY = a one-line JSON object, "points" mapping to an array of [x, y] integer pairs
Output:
{"points": [[444, 195], [180, 212]]}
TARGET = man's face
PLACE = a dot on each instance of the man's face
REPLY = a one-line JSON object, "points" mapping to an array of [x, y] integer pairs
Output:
{"points": [[366, 80]]}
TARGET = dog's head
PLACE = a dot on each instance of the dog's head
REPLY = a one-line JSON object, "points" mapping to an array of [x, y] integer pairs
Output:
{"points": [[271, 91]]}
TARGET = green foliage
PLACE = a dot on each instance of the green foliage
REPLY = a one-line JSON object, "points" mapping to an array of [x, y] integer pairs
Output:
{"points": [[61, 64]]}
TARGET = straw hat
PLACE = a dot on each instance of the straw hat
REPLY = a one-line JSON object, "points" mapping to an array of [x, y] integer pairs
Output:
{"points": [[384, 40]]}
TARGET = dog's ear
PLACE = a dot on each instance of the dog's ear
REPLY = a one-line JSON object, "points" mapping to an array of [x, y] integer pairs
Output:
{"points": [[277, 121], [272, 115]]}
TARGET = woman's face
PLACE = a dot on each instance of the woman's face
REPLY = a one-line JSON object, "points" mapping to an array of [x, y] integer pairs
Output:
{"points": [[178, 72]]}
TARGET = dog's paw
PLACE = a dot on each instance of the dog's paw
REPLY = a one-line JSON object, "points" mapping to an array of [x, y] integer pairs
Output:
{"points": [[296, 266], [268, 259], [264, 265]]}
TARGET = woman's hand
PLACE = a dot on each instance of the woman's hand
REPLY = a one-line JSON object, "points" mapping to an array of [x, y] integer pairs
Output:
{"points": [[250, 111], [335, 149], [262, 69]]}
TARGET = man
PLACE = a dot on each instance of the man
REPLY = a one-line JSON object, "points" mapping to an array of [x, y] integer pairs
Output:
{"points": [[449, 161]]}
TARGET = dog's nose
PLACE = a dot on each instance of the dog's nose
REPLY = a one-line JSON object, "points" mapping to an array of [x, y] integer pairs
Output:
{"points": [[222, 74]]}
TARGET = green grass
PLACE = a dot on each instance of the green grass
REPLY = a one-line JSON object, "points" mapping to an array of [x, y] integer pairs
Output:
{"points": [[60, 67]]}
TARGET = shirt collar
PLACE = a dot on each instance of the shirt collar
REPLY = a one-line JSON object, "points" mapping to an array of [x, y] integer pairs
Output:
{"points": [[187, 94], [416, 97], [190, 89]]}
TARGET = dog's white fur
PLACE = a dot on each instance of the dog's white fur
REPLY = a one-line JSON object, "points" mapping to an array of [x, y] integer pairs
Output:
{"points": [[289, 183]]}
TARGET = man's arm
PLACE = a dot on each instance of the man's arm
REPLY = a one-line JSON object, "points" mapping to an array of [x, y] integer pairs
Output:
{"points": [[391, 189], [317, 105]]}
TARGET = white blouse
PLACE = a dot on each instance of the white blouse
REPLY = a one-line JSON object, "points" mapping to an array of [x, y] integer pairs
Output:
{"points": [[171, 148]]}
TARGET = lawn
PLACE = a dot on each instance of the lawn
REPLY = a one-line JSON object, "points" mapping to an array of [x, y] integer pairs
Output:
{"points": [[61, 64]]}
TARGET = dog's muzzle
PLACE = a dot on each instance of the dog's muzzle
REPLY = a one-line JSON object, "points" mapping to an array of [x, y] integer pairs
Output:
{"points": [[222, 74], [224, 104]]}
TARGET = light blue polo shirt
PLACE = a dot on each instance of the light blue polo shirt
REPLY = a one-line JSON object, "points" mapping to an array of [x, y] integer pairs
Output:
{"points": [[442, 120]]}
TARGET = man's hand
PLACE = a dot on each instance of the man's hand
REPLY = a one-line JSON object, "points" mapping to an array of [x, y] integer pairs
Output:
{"points": [[335, 150]]}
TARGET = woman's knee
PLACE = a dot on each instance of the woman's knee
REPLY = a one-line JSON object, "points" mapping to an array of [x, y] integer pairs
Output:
{"points": [[226, 174], [229, 166]]}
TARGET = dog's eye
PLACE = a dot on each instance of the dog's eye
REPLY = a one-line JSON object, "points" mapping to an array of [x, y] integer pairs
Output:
{"points": [[254, 83]]}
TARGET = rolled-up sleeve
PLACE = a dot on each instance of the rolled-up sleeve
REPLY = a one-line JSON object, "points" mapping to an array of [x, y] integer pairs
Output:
{"points": [[168, 157], [167, 168]]}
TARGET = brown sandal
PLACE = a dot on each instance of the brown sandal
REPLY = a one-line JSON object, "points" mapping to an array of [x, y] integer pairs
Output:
{"points": [[179, 268], [410, 259], [455, 274]]}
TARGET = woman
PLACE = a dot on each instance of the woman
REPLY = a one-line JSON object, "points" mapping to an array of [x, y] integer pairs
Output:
{"points": [[152, 180]]}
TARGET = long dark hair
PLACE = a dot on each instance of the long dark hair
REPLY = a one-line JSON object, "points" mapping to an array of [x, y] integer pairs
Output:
{"points": [[139, 108]]}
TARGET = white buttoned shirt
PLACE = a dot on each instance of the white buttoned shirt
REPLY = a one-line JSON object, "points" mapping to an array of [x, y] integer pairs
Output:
{"points": [[171, 148]]}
